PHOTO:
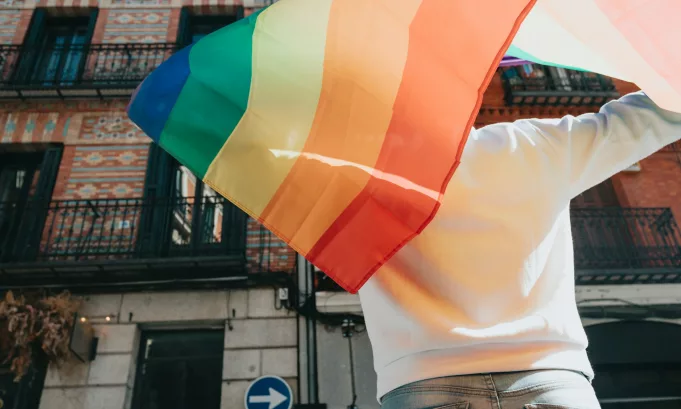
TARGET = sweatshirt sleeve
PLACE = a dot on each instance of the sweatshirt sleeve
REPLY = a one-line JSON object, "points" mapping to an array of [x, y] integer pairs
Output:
{"points": [[590, 148]]}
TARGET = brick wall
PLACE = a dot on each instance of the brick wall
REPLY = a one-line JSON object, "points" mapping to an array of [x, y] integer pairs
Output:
{"points": [[657, 185]]}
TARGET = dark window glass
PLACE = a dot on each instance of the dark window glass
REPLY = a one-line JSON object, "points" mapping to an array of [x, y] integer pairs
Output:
{"points": [[55, 49], [179, 370]]}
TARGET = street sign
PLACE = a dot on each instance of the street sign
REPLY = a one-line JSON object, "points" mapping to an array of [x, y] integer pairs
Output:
{"points": [[268, 392]]}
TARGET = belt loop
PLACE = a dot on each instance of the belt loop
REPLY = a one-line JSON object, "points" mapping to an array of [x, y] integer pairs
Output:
{"points": [[489, 380]]}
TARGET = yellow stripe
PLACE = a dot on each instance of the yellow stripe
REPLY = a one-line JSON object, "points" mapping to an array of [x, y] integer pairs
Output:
{"points": [[288, 61], [355, 111]]}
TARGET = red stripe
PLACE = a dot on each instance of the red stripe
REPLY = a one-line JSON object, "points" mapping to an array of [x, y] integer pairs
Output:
{"points": [[436, 105]]}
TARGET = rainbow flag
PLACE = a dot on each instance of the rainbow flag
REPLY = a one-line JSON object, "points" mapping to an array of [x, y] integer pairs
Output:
{"points": [[338, 123]]}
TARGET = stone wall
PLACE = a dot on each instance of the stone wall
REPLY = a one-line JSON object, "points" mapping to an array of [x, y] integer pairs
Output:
{"points": [[259, 340]]}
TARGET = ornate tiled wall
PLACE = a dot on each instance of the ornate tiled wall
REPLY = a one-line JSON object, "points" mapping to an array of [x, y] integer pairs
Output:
{"points": [[105, 154], [135, 25], [112, 172]]}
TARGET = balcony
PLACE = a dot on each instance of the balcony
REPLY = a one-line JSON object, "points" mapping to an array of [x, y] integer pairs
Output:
{"points": [[132, 242], [615, 246], [537, 85], [78, 71], [626, 245]]}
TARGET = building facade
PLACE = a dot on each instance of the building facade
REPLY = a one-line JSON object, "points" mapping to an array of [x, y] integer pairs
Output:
{"points": [[191, 300]]}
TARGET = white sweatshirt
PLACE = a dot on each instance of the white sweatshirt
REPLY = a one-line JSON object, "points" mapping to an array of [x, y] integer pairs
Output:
{"points": [[489, 284]]}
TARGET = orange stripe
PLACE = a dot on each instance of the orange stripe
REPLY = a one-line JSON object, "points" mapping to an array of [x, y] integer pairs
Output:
{"points": [[454, 50], [353, 115]]}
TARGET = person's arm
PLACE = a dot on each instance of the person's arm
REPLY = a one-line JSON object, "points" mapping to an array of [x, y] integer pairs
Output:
{"points": [[581, 152]]}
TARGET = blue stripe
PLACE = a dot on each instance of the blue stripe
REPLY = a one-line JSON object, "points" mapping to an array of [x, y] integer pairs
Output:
{"points": [[155, 98]]}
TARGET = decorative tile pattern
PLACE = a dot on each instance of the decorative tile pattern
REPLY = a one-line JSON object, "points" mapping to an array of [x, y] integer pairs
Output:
{"points": [[112, 127], [66, 7], [73, 128], [32, 127], [139, 3], [109, 172], [136, 26], [213, 7], [9, 22], [14, 4]]}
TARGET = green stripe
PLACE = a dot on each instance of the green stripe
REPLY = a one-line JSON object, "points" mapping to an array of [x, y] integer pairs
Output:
{"points": [[516, 52], [214, 98]]}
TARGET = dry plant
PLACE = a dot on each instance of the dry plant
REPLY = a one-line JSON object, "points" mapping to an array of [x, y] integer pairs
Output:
{"points": [[32, 323]]}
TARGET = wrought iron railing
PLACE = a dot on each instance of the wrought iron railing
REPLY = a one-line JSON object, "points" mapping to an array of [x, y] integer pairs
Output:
{"points": [[110, 230], [618, 243], [87, 66], [625, 238], [535, 84]]}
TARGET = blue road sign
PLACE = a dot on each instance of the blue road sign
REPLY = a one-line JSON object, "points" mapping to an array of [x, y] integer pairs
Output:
{"points": [[268, 392]]}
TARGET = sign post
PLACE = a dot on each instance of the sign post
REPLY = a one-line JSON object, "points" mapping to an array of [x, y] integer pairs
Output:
{"points": [[268, 392]]}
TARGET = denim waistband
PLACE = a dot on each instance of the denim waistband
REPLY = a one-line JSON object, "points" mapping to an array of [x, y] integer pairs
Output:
{"points": [[501, 383]]}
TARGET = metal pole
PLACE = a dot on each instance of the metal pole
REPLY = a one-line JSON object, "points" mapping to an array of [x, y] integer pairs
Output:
{"points": [[348, 328]]}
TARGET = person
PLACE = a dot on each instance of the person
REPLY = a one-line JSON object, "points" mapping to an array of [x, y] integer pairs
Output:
{"points": [[479, 310]]}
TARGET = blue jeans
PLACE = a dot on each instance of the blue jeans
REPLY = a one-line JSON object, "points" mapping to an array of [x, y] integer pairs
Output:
{"points": [[544, 389]]}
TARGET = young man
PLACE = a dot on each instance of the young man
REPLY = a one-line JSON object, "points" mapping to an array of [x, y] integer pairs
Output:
{"points": [[479, 310]]}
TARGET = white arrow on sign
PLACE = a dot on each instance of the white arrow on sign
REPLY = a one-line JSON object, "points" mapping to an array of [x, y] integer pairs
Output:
{"points": [[274, 399]]}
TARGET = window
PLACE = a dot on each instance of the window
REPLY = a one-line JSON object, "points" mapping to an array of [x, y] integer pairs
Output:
{"points": [[26, 183], [194, 27], [54, 51], [198, 221], [179, 370]]}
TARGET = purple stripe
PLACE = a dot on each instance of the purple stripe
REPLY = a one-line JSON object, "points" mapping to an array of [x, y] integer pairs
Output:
{"points": [[509, 61]]}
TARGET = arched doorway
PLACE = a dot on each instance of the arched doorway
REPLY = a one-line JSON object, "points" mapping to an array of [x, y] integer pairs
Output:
{"points": [[637, 364]]}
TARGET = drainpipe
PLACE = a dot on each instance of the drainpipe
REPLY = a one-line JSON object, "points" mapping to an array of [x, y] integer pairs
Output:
{"points": [[307, 346]]}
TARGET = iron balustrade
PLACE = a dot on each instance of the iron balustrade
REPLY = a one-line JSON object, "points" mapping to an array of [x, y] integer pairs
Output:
{"points": [[105, 231], [79, 69], [625, 238], [614, 245], [534, 84], [610, 244]]}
